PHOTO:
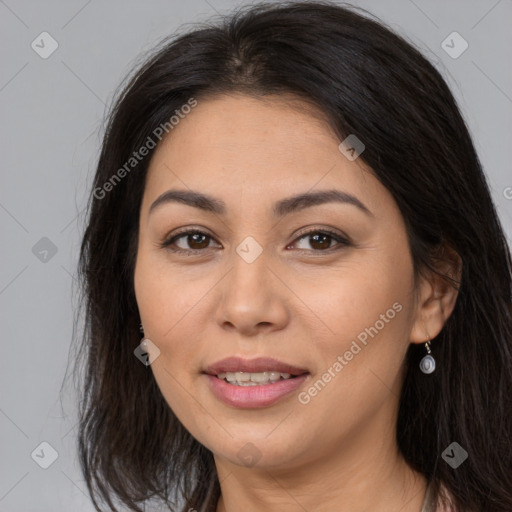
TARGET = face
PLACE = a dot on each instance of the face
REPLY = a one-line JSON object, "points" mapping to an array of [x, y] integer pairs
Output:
{"points": [[324, 286]]}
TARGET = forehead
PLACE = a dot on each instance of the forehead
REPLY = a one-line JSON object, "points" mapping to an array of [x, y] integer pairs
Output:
{"points": [[261, 148]]}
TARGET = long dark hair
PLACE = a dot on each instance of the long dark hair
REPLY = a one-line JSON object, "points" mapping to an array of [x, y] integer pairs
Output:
{"points": [[369, 82]]}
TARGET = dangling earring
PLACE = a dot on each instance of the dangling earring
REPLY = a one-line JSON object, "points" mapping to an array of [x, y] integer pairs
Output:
{"points": [[146, 351], [428, 363], [142, 350]]}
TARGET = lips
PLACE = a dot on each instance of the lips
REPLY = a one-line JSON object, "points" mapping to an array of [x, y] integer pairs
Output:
{"points": [[254, 397], [260, 364]]}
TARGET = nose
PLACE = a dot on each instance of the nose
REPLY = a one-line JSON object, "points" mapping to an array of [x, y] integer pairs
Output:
{"points": [[253, 298]]}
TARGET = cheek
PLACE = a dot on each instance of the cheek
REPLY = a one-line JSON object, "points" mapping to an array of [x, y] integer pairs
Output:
{"points": [[360, 364], [360, 335], [172, 308], [341, 305], [167, 297], [164, 305]]}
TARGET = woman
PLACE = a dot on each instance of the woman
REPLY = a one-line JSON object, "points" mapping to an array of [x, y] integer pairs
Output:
{"points": [[297, 289]]}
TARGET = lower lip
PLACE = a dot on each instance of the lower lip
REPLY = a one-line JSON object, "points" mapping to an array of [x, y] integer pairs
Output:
{"points": [[251, 397]]}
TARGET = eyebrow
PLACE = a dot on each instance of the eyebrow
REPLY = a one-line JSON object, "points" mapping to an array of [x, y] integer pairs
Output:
{"points": [[280, 209]]}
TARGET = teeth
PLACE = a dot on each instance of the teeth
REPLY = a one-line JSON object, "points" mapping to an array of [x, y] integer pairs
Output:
{"points": [[252, 379]]}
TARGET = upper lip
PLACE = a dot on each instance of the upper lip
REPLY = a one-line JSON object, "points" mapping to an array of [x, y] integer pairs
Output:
{"points": [[259, 364]]}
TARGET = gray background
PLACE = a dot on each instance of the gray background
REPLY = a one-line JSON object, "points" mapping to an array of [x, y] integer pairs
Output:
{"points": [[52, 111]]}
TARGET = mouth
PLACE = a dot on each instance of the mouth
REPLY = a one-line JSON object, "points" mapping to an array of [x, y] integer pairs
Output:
{"points": [[261, 370], [254, 378], [250, 383]]}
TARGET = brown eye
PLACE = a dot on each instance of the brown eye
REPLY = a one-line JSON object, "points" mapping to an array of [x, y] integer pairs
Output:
{"points": [[194, 240], [197, 240], [320, 241]]}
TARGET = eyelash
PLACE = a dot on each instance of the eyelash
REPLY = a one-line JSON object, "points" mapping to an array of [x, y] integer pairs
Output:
{"points": [[342, 242]]}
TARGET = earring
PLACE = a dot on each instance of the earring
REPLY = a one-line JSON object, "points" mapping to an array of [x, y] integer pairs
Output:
{"points": [[141, 329], [428, 363]]}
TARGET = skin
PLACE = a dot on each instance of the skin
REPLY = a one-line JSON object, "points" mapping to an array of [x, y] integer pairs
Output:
{"points": [[337, 452]]}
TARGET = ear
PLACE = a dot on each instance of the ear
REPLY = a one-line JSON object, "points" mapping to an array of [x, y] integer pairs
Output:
{"points": [[436, 295]]}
